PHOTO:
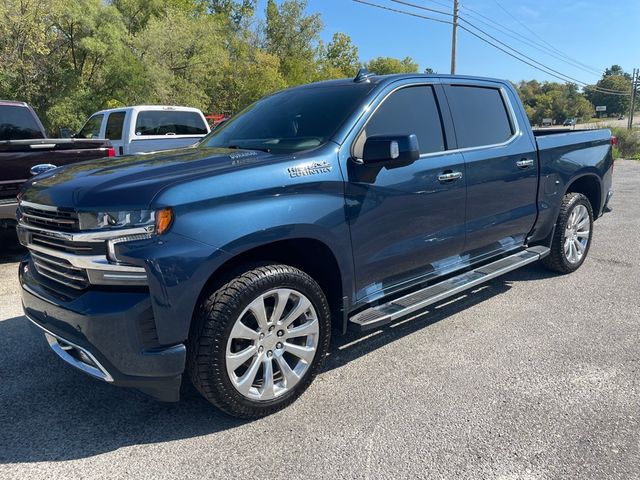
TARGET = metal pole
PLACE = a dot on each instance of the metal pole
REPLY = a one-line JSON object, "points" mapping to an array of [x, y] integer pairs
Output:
{"points": [[454, 37], [634, 80], [634, 86]]}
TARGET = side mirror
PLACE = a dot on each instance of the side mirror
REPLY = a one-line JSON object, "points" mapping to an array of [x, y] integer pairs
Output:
{"points": [[390, 151], [66, 132]]}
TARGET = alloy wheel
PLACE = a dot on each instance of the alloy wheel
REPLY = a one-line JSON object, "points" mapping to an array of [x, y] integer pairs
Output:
{"points": [[272, 344]]}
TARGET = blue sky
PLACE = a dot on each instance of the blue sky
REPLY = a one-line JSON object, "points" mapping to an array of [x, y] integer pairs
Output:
{"points": [[593, 32]]}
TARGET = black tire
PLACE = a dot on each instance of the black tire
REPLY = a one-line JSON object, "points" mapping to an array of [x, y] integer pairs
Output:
{"points": [[557, 260], [214, 320]]}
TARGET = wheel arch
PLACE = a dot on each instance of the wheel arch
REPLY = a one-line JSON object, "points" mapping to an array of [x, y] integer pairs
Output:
{"points": [[310, 255], [590, 186]]}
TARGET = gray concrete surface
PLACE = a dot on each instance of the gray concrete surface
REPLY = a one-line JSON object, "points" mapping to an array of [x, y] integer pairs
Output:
{"points": [[533, 376]]}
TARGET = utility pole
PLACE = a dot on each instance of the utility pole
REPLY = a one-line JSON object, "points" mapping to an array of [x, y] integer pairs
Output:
{"points": [[454, 37], [634, 87]]}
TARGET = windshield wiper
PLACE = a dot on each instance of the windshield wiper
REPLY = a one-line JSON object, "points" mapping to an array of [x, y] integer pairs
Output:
{"points": [[260, 149]]}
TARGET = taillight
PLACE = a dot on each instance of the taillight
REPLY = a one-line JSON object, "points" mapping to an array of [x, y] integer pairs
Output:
{"points": [[111, 152], [614, 140]]}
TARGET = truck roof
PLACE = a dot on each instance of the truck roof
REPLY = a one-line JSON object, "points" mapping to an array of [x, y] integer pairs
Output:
{"points": [[376, 79], [13, 103], [139, 108]]}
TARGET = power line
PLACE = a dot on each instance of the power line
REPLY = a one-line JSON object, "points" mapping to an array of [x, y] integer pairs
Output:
{"points": [[445, 5], [516, 37], [537, 35], [409, 4], [574, 80], [403, 12], [548, 45], [539, 66], [505, 31]]}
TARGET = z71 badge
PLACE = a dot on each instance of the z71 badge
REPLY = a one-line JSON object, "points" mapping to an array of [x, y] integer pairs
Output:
{"points": [[312, 168]]}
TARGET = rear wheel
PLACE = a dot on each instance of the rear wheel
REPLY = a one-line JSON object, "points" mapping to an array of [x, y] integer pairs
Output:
{"points": [[572, 235], [259, 340]]}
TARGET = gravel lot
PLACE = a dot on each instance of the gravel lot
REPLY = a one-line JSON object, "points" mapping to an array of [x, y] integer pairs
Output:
{"points": [[532, 376]]}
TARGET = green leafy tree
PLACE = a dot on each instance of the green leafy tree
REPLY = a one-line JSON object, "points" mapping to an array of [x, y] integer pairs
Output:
{"points": [[26, 43], [387, 65], [341, 56], [615, 79], [237, 11], [247, 75], [553, 100], [292, 36], [615, 70], [136, 14], [181, 55]]}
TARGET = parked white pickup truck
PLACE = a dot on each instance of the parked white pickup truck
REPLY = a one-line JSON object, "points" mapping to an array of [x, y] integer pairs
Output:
{"points": [[146, 128]]}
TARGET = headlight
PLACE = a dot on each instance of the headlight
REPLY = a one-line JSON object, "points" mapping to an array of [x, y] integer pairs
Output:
{"points": [[157, 221]]}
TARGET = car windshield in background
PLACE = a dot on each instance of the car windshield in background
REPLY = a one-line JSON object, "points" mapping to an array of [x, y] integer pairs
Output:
{"points": [[17, 123], [166, 122], [292, 120]]}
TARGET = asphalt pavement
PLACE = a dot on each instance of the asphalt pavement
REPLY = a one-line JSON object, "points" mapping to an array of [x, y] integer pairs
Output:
{"points": [[532, 376]]}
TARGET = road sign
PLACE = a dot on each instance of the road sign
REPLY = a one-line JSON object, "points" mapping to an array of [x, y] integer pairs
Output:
{"points": [[601, 108]]}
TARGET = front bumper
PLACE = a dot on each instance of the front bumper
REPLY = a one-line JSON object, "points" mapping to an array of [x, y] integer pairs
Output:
{"points": [[108, 334]]}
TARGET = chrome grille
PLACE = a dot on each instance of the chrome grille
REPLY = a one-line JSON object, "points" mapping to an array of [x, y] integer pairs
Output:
{"points": [[69, 246], [67, 260], [57, 219], [59, 270]]}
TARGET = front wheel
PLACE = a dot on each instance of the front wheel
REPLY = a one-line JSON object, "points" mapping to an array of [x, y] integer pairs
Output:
{"points": [[258, 341], [572, 235]]}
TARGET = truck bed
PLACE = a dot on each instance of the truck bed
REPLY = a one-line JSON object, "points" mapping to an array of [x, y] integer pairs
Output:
{"points": [[18, 156]]}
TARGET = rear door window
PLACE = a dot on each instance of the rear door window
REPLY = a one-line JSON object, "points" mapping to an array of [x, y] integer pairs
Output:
{"points": [[91, 129], [480, 116], [163, 122], [115, 122], [410, 110], [17, 123]]}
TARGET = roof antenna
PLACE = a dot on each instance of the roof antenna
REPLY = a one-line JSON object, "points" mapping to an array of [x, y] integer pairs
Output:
{"points": [[363, 75]]}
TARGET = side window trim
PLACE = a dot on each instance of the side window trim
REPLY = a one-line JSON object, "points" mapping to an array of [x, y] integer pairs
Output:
{"points": [[516, 131], [92, 117], [437, 98], [106, 124]]}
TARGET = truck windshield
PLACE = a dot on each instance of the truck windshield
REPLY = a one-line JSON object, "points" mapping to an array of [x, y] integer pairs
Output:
{"points": [[292, 120]]}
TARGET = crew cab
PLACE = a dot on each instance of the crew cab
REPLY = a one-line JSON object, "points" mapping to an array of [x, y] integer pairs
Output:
{"points": [[25, 149], [146, 128], [350, 203]]}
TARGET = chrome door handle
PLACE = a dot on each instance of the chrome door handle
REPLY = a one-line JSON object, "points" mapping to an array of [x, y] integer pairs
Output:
{"points": [[524, 163], [449, 176]]}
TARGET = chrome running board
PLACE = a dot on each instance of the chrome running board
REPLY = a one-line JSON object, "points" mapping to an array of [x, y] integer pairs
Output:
{"points": [[402, 307]]}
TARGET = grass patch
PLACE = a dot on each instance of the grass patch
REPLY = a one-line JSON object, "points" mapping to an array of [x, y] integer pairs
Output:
{"points": [[628, 143]]}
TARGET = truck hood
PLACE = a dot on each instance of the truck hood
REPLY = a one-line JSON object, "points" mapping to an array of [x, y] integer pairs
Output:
{"points": [[134, 181]]}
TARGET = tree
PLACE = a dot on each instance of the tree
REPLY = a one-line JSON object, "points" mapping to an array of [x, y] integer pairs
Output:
{"points": [[342, 55], [26, 42], [235, 10], [387, 65], [182, 56], [615, 79], [616, 70], [553, 100], [293, 36]]}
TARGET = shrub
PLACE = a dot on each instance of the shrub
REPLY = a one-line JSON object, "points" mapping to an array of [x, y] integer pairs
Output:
{"points": [[628, 143]]}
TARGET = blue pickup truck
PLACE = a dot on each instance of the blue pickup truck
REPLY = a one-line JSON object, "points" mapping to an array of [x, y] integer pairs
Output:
{"points": [[342, 204]]}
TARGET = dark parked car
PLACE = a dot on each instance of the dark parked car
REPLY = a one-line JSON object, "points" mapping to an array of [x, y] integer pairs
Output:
{"points": [[569, 122], [350, 202], [24, 147]]}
